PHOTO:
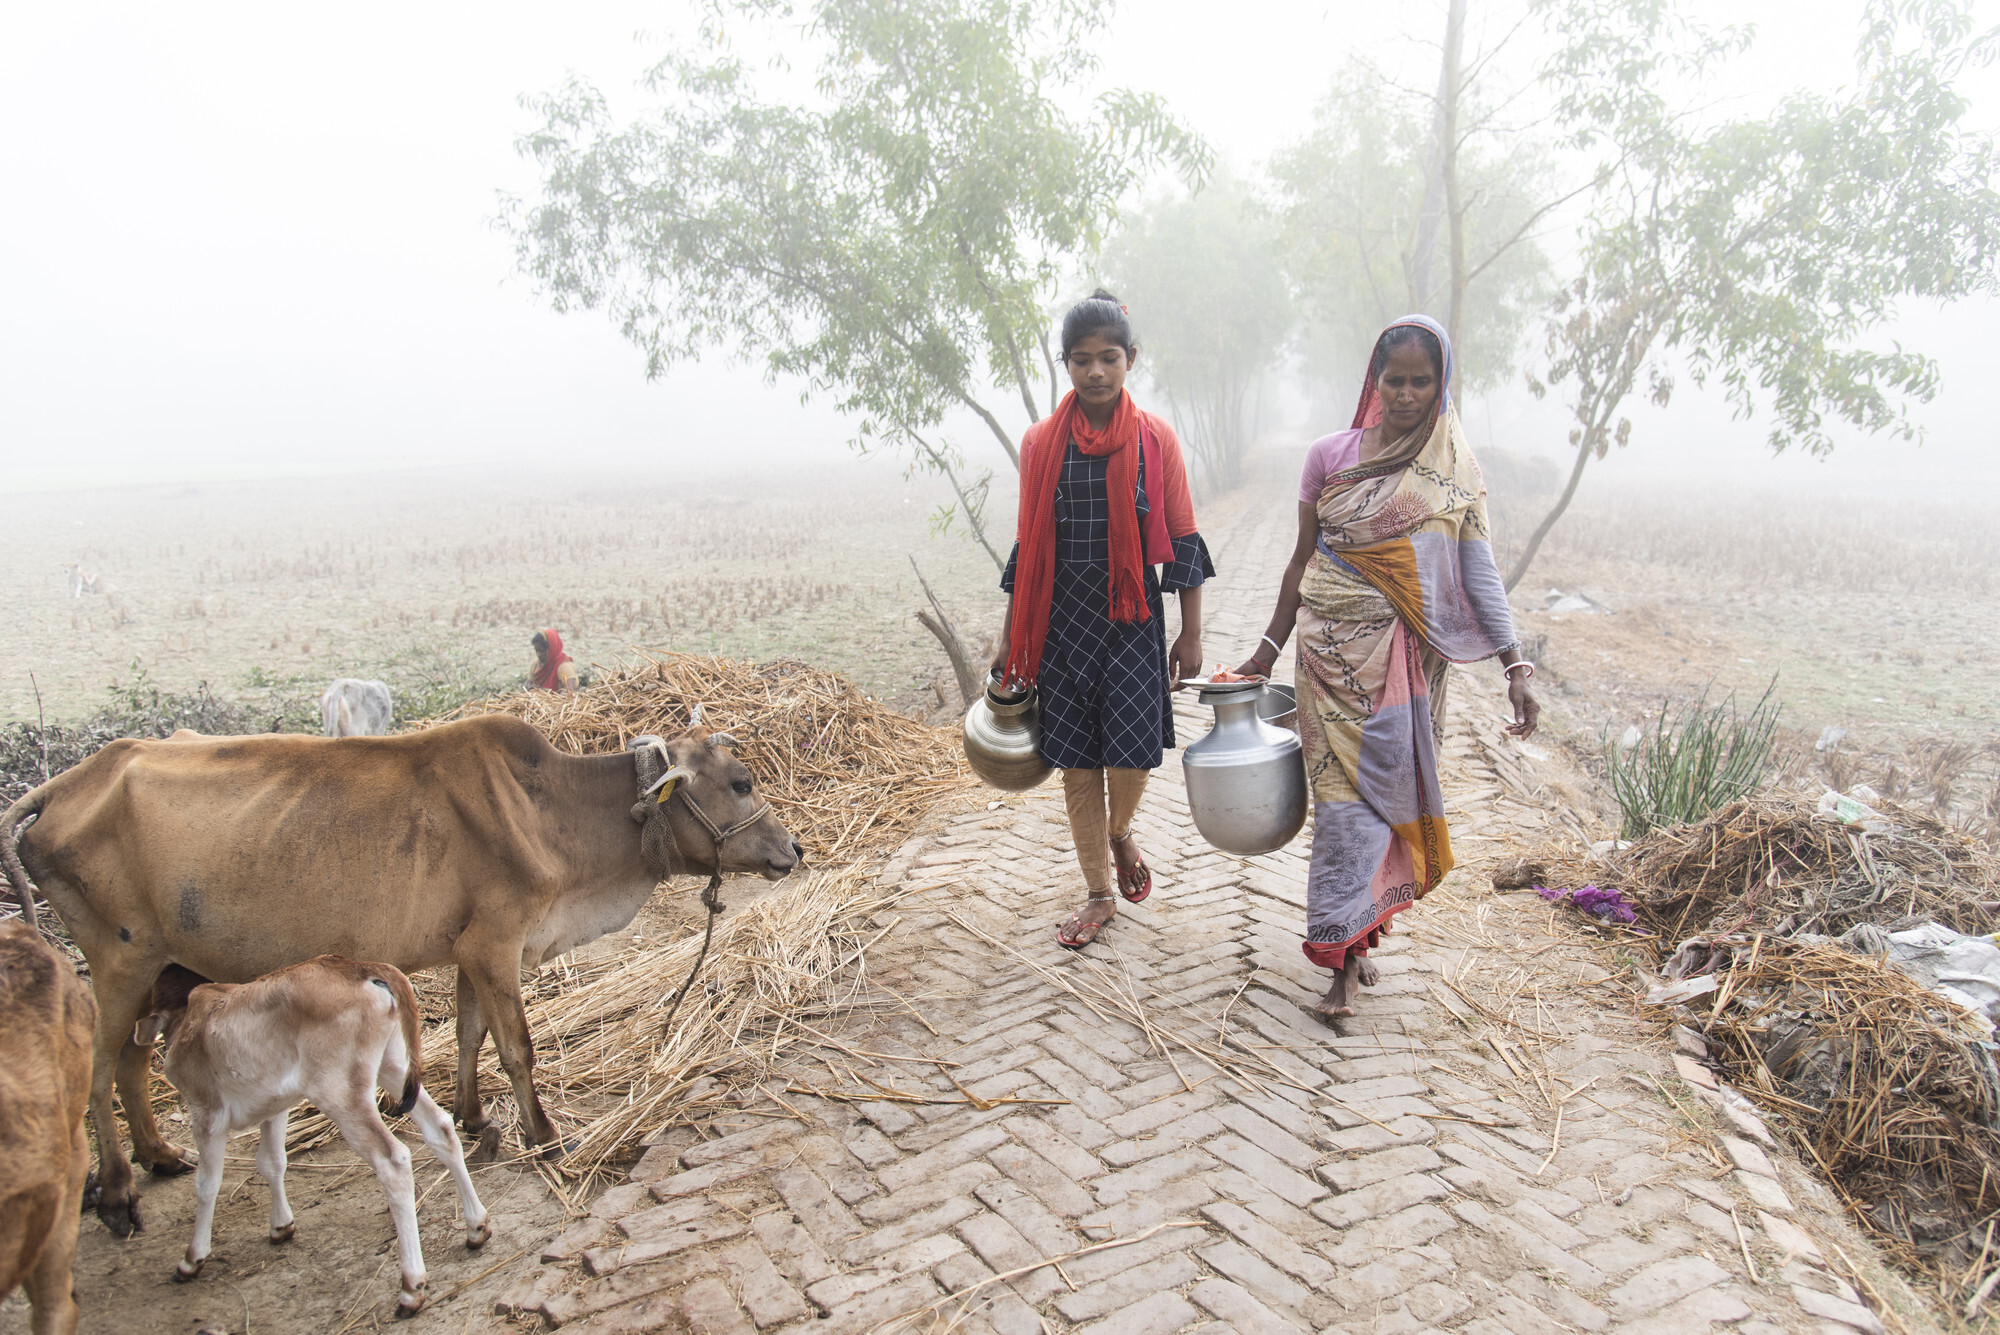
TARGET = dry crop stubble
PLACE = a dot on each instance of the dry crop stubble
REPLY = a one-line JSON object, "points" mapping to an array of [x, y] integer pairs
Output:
{"points": [[336, 576]]}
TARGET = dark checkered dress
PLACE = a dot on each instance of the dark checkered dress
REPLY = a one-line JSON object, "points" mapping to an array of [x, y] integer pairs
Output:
{"points": [[1103, 683]]}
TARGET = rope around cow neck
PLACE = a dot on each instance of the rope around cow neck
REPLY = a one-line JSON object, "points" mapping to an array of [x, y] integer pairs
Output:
{"points": [[711, 896]]}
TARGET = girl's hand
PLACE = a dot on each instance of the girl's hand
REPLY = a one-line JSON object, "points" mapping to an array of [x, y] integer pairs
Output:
{"points": [[999, 664], [1527, 710], [1183, 660], [1250, 667]]}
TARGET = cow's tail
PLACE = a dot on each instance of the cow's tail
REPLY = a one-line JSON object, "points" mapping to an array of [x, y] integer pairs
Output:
{"points": [[413, 1032], [28, 806]]}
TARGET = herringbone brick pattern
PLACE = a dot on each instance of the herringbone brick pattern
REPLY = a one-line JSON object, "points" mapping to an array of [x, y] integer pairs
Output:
{"points": [[1495, 1144]]}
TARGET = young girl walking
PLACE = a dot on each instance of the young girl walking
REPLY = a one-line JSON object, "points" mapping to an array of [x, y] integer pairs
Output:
{"points": [[1104, 500]]}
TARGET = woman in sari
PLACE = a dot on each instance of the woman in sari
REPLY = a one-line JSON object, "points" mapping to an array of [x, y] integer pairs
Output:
{"points": [[1391, 581], [554, 670], [1104, 499]]}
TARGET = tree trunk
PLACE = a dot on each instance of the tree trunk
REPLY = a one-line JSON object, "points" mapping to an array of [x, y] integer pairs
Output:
{"points": [[1583, 452], [1450, 80], [1444, 134], [973, 519], [965, 660]]}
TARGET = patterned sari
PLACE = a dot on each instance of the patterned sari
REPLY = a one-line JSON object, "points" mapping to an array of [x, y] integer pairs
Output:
{"points": [[1402, 584]]}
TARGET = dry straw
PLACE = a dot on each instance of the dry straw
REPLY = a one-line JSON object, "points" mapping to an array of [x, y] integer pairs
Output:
{"points": [[849, 777], [1776, 864], [1885, 1085], [1882, 1083], [608, 1072]]}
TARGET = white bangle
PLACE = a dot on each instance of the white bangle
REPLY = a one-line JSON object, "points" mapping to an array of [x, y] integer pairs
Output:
{"points": [[1276, 648], [1508, 671]]}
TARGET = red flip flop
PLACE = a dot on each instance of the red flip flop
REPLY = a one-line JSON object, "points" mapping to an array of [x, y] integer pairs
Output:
{"points": [[1076, 933], [1135, 882]]}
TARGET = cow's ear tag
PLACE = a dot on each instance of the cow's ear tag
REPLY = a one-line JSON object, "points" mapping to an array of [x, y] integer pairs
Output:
{"points": [[667, 790]]}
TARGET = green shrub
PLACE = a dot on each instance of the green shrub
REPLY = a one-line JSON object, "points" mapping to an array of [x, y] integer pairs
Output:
{"points": [[1692, 760]]}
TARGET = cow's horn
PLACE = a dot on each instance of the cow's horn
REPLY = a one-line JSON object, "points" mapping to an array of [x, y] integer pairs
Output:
{"points": [[694, 718], [644, 740], [676, 773], [721, 739]]}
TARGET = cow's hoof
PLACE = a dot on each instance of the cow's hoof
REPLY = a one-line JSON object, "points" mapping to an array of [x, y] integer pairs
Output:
{"points": [[552, 1150], [475, 1238], [280, 1236], [488, 1149], [121, 1217], [410, 1303], [183, 1161], [91, 1194], [185, 1271]]}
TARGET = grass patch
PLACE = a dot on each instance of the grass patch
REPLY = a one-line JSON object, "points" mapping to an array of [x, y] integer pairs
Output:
{"points": [[1693, 760]]}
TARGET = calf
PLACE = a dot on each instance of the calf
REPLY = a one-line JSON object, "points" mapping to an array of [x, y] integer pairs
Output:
{"points": [[351, 707], [44, 1090], [331, 1030]]}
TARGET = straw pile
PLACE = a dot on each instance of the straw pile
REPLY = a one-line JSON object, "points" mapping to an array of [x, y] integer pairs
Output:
{"points": [[610, 1074], [849, 777], [1776, 864], [1881, 1082]]}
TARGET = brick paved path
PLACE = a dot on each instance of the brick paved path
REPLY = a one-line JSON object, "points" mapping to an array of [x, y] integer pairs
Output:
{"points": [[1495, 1144]]}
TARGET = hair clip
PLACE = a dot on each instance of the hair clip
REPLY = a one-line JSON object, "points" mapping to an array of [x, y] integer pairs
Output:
{"points": [[1124, 309]]}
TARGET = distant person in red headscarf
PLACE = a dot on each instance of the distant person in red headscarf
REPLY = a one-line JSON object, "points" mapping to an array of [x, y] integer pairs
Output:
{"points": [[553, 669]]}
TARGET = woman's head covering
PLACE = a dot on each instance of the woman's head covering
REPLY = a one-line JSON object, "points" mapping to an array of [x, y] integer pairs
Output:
{"points": [[548, 675], [1369, 411]]}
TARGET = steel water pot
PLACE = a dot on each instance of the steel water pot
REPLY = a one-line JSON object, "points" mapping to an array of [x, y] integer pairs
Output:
{"points": [[1003, 737], [1246, 780]]}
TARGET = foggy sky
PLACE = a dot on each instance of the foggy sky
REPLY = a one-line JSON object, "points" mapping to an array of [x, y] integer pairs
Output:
{"points": [[252, 240]]}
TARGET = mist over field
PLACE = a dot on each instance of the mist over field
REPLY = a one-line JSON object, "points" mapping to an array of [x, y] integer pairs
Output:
{"points": [[283, 363]]}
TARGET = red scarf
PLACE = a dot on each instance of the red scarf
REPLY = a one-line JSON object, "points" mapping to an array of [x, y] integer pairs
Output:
{"points": [[549, 676], [1035, 568]]}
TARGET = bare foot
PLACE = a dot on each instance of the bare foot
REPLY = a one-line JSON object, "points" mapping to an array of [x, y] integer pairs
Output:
{"points": [[1367, 975], [1084, 925], [1339, 999]]}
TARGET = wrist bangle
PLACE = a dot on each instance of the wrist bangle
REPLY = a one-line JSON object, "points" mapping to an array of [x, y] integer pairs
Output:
{"points": [[1276, 648], [1508, 671]]}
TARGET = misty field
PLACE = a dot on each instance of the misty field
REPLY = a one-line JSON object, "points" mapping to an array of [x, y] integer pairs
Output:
{"points": [[1873, 616], [265, 590]]}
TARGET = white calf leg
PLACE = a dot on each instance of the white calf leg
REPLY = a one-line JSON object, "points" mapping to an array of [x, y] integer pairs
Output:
{"points": [[211, 1137], [363, 1128], [443, 1142], [271, 1164]]}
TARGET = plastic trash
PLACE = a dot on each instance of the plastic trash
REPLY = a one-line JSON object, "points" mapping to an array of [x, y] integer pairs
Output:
{"points": [[1964, 969], [1829, 737], [1849, 809]]}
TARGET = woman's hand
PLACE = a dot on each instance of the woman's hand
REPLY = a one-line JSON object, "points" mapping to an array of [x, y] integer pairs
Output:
{"points": [[1527, 710], [1183, 660], [999, 664], [1250, 667]]}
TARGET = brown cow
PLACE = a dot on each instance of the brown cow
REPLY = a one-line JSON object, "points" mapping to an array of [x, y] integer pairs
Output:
{"points": [[44, 1089], [331, 1030], [476, 844]]}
